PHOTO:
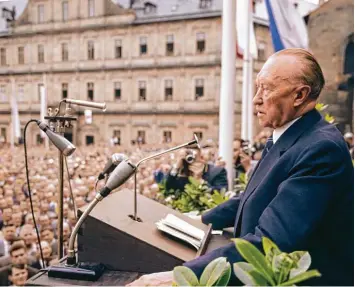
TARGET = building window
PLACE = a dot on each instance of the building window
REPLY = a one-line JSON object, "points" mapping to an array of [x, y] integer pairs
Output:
{"points": [[65, 53], [143, 48], [205, 4], [64, 90], [117, 91], [91, 50], [40, 10], [141, 137], [3, 57], [40, 54], [168, 90], [117, 137], [167, 137], [200, 42], [91, 6], [65, 10], [199, 89], [40, 87], [261, 51], [118, 49], [21, 55], [39, 139], [142, 91], [90, 91], [3, 135], [149, 8], [3, 96], [170, 45], [21, 93], [199, 135], [90, 140]]}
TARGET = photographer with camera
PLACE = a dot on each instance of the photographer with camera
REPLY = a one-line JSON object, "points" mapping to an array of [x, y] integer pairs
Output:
{"points": [[191, 163]]}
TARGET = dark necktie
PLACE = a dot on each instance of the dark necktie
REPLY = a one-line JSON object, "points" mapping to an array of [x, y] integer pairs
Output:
{"points": [[268, 145]]}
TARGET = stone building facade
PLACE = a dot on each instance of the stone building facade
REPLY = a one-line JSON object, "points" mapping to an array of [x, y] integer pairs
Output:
{"points": [[331, 38], [159, 75]]}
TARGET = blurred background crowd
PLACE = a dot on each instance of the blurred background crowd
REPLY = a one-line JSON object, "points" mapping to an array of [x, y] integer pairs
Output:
{"points": [[19, 250]]}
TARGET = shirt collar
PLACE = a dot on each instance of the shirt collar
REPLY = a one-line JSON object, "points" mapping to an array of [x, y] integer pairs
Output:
{"points": [[277, 133]]}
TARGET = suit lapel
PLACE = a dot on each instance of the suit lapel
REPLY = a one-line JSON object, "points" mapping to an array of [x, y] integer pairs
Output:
{"points": [[288, 138]]}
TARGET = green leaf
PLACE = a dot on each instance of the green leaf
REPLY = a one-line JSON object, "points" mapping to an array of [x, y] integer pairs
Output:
{"points": [[252, 255], [224, 279], [268, 245], [281, 266], [213, 271], [302, 277], [302, 265], [184, 276], [247, 274]]}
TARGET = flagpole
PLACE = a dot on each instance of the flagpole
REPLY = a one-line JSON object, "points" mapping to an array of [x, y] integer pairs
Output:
{"points": [[12, 140], [246, 61], [44, 108], [228, 74], [250, 101]]}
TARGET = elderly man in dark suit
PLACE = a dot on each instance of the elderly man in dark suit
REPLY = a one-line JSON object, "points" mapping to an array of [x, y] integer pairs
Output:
{"points": [[301, 194]]}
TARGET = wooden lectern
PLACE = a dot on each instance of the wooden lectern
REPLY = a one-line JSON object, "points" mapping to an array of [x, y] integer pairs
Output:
{"points": [[130, 248], [111, 237]]}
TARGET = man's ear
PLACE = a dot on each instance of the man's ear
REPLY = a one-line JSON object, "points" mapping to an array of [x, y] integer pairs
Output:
{"points": [[301, 95], [10, 278]]}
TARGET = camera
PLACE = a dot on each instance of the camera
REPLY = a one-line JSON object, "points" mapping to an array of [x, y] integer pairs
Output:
{"points": [[190, 157], [248, 148]]}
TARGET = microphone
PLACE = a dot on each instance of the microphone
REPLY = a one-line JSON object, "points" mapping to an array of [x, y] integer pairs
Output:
{"points": [[65, 146], [118, 177], [111, 164], [101, 106]]}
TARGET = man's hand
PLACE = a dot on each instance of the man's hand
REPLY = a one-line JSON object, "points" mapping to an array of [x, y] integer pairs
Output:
{"points": [[154, 279]]}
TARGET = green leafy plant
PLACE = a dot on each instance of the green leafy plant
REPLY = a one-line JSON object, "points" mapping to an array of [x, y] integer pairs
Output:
{"points": [[197, 196], [216, 273], [240, 183], [275, 268], [321, 108]]}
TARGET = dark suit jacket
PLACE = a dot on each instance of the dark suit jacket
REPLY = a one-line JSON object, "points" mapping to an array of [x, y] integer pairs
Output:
{"points": [[215, 176], [301, 196]]}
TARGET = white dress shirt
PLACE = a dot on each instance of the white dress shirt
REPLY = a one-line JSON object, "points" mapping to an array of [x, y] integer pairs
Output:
{"points": [[277, 133]]}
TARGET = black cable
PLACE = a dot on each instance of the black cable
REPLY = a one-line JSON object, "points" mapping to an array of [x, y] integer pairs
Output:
{"points": [[29, 190], [71, 191]]}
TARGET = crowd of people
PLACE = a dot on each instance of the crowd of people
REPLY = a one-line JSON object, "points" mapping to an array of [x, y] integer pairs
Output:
{"points": [[19, 253]]}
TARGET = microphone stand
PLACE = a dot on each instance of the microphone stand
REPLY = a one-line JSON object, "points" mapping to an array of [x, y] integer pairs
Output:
{"points": [[58, 124], [134, 216]]}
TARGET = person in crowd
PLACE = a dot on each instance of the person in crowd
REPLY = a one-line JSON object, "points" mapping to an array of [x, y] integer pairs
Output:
{"points": [[190, 163], [17, 275], [302, 190]]}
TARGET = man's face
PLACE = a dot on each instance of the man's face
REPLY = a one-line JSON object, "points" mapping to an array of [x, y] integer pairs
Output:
{"points": [[17, 219], [19, 256], [276, 90], [47, 235], [9, 201], [44, 220], [9, 232], [66, 232], [26, 234], [19, 276], [3, 203], [7, 214]]}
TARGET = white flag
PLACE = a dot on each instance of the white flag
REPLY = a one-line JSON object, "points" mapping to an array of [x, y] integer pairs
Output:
{"points": [[241, 23], [287, 27], [15, 117]]}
